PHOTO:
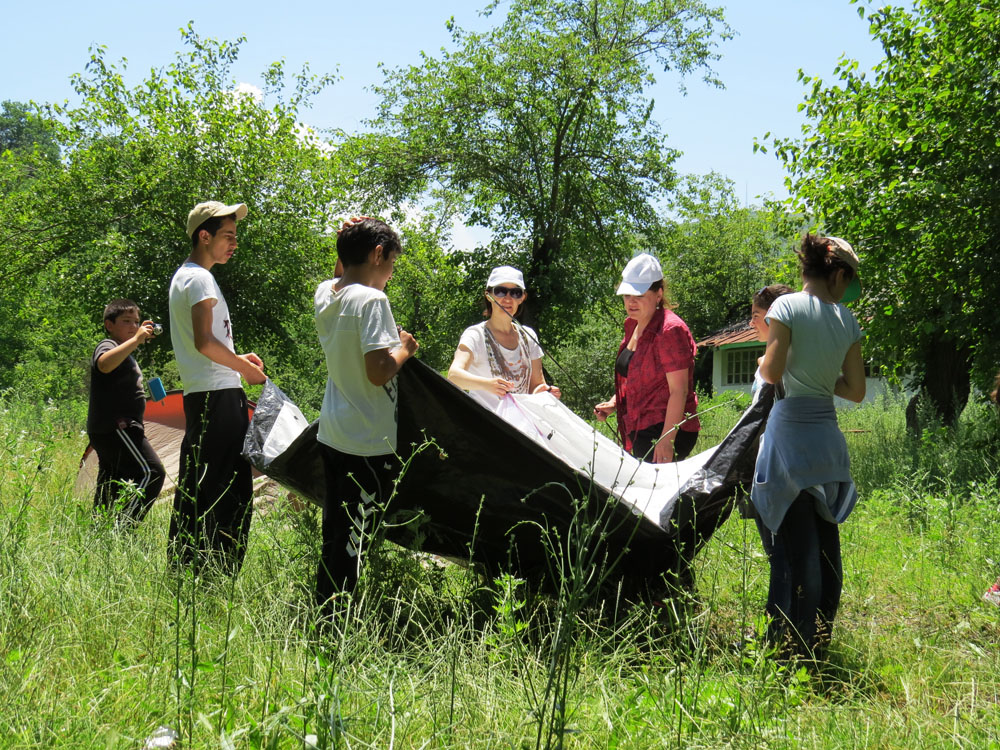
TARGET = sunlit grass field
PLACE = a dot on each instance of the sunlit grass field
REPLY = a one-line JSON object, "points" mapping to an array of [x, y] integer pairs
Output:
{"points": [[101, 644]]}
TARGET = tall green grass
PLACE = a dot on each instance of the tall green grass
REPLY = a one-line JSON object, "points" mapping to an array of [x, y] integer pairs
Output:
{"points": [[100, 643]]}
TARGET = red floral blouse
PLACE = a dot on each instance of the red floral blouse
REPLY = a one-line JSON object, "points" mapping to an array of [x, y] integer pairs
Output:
{"points": [[666, 345]]}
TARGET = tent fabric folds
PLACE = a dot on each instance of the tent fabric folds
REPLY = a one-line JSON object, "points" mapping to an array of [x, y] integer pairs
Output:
{"points": [[533, 494]]}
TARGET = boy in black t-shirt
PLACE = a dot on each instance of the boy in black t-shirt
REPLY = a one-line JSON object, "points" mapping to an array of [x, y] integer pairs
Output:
{"points": [[114, 419]]}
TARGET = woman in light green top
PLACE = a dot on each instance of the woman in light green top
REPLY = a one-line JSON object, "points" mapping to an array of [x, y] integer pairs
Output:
{"points": [[802, 485]]}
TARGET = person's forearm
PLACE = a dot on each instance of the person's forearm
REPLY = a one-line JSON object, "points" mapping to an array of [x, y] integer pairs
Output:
{"points": [[674, 416], [221, 354], [771, 371], [537, 376], [851, 383], [114, 357], [772, 366], [843, 389], [387, 366], [467, 381]]}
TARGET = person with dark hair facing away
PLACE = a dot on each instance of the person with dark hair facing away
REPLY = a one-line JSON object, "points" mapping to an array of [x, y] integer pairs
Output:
{"points": [[364, 349], [654, 371], [213, 500], [802, 485], [125, 459], [497, 357]]}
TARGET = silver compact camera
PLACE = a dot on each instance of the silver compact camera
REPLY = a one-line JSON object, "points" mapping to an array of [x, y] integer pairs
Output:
{"points": [[157, 329]]}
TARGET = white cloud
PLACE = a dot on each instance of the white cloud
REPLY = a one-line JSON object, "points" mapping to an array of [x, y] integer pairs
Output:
{"points": [[305, 133], [248, 89], [310, 137]]}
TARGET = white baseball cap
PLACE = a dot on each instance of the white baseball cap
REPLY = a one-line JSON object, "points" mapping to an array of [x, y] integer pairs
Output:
{"points": [[505, 275], [640, 274]]}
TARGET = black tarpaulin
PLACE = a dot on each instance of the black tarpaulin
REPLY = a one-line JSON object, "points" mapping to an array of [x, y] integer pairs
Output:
{"points": [[476, 487]]}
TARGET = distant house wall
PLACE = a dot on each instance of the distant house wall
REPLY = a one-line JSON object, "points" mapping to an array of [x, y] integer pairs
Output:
{"points": [[729, 375]]}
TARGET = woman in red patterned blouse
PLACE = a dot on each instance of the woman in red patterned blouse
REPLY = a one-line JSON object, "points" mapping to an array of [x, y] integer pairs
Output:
{"points": [[654, 371]]}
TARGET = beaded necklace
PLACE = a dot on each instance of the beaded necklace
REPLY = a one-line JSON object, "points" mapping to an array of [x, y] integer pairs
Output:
{"points": [[498, 363]]}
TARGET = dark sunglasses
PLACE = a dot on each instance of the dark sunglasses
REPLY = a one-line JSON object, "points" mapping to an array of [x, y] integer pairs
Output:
{"points": [[502, 291]]}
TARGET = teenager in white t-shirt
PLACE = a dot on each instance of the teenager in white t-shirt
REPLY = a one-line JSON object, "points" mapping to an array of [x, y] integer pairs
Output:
{"points": [[364, 350], [497, 356], [212, 503]]}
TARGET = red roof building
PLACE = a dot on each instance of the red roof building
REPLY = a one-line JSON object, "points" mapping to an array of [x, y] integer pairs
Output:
{"points": [[734, 360]]}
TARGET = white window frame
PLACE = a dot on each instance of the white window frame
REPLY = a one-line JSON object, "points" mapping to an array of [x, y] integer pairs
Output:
{"points": [[741, 364]]}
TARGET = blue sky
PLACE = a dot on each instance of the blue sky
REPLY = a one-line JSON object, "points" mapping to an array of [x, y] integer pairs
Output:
{"points": [[47, 41]]}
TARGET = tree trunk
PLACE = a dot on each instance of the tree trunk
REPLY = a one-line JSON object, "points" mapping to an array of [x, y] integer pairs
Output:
{"points": [[544, 285], [945, 384]]}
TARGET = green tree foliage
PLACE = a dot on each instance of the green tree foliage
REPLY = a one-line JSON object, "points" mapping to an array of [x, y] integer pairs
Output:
{"points": [[433, 295], [716, 253], [109, 219], [904, 163], [541, 128], [22, 129]]}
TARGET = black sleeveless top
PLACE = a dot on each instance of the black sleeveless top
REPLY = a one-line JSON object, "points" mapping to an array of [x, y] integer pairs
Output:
{"points": [[621, 364]]}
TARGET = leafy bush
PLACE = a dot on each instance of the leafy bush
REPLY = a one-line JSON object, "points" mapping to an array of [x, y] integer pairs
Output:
{"points": [[582, 364]]}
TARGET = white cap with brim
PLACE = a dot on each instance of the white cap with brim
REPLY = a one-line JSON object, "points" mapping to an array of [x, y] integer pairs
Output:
{"points": [[505, 275], [641, 273], [842, 250], [205, 211]]}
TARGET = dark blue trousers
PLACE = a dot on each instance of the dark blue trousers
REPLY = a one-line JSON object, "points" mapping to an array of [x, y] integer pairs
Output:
{"points": [[806, 578]]}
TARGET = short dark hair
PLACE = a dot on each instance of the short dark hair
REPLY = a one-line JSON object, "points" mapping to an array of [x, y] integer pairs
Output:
{"points": [[118, 306], [659, 286], [817, 262], [356, 241], [210, 225], [766, 296]]}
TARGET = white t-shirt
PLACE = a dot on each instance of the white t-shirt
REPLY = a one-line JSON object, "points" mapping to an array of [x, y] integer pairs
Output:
{"points": [[822, 333], [474, 337], [193, 284], [758, 383], [357, 418]]}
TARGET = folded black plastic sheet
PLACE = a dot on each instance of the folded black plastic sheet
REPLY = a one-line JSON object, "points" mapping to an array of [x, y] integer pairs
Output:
{"points": [[707, 498], [476, 488]]}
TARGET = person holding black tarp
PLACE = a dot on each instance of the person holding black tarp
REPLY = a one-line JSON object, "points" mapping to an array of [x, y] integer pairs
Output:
{"points": [[802, 485], [213, 502], [499, 355], [364, 350], [654, 371]]}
